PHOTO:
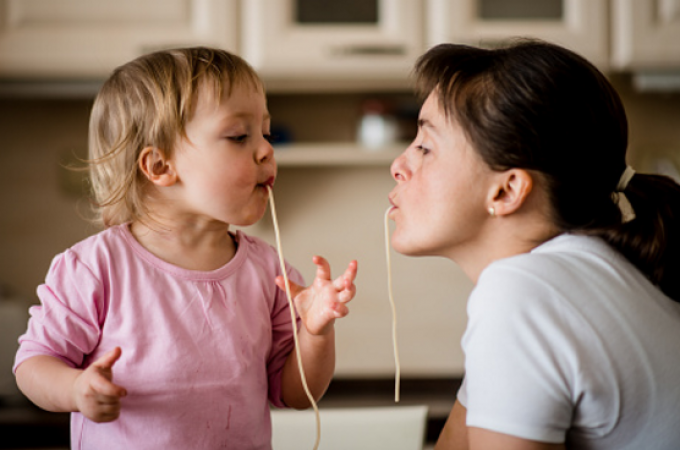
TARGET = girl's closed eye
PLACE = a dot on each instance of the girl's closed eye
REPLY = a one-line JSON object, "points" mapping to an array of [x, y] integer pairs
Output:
{"points": [[239, 139]]}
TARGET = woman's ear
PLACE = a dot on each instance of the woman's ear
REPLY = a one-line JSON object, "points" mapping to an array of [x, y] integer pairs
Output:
{"points": [[511, 191], [157, 169]]}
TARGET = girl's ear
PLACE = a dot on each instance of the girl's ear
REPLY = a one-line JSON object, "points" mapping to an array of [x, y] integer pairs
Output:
{"points": [[157, 169], [511, 191]]}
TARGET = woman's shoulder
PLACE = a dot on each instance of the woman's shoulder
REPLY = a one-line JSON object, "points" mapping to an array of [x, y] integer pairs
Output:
{"points": [[565, 256], [569, 271]]}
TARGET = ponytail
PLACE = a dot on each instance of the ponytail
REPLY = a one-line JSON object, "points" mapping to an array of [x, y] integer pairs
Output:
{"points": [[650, 241]]}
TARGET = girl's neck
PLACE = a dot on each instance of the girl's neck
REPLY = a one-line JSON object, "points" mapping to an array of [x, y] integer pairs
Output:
{"points": [[201, 247]]}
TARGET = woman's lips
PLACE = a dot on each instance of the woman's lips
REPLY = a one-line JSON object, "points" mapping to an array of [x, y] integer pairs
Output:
{"points": [[392, 208]]}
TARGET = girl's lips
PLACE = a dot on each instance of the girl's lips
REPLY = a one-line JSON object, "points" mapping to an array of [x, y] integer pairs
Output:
{"points": [[268, 183]]}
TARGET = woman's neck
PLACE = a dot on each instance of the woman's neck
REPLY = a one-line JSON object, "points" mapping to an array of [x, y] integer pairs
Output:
{"points": [[503, 237]]}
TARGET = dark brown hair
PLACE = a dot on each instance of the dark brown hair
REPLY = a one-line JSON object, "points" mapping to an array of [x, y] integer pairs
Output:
{"points": [[537, 106]]}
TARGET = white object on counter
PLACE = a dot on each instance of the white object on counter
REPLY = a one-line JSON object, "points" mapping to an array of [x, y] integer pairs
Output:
{"points": [[369, 428], [377, 130]]}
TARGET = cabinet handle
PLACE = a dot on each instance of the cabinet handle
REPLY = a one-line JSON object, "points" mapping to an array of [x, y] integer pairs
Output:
{"points": [[369, 50]]}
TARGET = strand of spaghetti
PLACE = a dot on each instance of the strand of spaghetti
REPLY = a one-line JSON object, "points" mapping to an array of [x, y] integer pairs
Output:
{"points": [[397, 375], [293, 318]]}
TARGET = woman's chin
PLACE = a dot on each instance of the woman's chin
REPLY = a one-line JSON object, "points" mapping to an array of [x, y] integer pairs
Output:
{"points": [[408, 248]]}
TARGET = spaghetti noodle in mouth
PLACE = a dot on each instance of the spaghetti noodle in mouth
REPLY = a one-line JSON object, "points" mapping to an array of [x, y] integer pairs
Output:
{"points": [[397, 375], [293, 318]]}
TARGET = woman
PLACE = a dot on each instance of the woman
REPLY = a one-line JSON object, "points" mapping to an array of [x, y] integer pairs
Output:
{"points": [[518, 174]]}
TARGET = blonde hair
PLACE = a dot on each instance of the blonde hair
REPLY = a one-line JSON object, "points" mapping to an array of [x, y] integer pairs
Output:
{"points": [[147, 103]]}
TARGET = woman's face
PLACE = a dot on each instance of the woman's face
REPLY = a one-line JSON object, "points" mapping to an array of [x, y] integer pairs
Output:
{"points": [[441, 199]]}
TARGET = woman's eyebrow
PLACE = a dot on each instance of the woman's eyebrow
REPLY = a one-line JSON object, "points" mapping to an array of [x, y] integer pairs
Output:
{"points": [[424, 123]]}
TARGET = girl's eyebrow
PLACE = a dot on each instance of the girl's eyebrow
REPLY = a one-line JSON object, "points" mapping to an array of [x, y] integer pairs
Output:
{"points": [[244, 115]]}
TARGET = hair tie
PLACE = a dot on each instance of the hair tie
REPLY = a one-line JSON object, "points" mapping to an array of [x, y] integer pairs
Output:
{"points": [[619, 197], [625, 179]]}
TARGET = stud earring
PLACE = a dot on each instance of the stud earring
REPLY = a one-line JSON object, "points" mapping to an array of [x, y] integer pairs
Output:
{"points": [[492, 211]]}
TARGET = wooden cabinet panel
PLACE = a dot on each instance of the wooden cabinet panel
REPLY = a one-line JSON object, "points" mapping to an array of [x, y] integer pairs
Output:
{"points": [[87, 39], [279, 45], [646, 34], [580, 25]]}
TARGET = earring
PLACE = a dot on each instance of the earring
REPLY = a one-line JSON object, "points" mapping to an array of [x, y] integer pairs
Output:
{"points": [[492, 211]]}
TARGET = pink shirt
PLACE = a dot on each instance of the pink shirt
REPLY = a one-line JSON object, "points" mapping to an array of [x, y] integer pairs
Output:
{"points": [[202, 352]]}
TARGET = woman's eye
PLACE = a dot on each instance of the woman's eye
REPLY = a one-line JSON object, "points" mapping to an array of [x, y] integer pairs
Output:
{"points": [[422, 149], [238, 139]]}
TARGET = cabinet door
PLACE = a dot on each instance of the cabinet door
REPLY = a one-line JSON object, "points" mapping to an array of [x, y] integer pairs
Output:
{"points": [[349, 39], [87, 39], [580, 25], [646, 34]]}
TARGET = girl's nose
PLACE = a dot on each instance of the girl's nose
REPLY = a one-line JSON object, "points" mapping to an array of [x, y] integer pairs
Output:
{"points": [[265, 152]]}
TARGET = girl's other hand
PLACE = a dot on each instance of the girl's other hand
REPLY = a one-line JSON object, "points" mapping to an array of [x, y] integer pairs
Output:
{"points": [[95, 395], [324, 300]]}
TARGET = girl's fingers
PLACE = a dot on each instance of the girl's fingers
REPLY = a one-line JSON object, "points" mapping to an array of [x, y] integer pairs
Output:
{"points": [[323, 269], [347, 278], [105, 388], [340, 310], [108, 359], [295, 288], [351, 271], [346, 296]]}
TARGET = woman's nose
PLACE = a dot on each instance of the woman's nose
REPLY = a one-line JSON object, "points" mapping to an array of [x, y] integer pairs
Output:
{"points": [[398, 168]]}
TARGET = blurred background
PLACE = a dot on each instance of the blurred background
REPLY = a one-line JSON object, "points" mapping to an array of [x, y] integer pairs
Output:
{"points": [[337, 76]]}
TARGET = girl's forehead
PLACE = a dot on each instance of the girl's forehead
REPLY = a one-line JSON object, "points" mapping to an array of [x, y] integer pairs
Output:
{"points": [[211, 97]]}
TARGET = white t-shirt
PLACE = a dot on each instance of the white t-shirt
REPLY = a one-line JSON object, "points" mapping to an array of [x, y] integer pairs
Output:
{"points": [[572, 343]]}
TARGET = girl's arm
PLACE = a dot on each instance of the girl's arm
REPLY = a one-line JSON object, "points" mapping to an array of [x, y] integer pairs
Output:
{"points": [[54, 386], [318, 305], [457, 436], [318, 360]]}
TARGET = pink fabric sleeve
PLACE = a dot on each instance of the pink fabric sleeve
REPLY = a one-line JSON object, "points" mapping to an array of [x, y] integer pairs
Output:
{"points": [[66, 324]]}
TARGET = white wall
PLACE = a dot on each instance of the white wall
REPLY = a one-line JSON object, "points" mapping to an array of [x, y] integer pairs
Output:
{"points": [[335, 212]]}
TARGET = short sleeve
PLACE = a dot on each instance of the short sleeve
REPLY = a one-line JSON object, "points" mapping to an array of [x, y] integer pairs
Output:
{"points": [[519, 363], [66, 324], [282, 339]]}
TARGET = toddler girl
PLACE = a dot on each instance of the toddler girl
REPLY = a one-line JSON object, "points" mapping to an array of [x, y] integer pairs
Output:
{"points": [[167, 330]]}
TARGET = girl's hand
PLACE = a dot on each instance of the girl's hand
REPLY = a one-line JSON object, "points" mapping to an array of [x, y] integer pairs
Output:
{"points": [[95, 395], [324, 300]]}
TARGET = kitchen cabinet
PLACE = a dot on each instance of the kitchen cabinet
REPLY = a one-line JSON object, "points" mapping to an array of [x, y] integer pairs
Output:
{"points": [[355, 39], [580, 25], [646, 34], [87, 39], [299, 45]]}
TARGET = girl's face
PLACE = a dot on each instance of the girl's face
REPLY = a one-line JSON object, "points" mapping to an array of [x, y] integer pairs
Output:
{"points": [[225, 162], [441, 198]]}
